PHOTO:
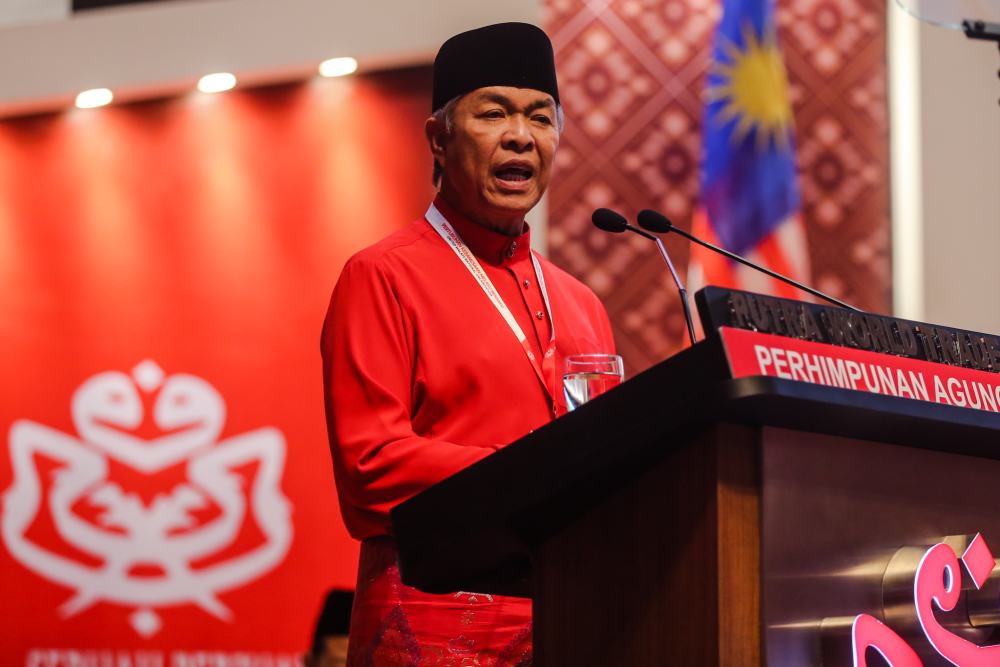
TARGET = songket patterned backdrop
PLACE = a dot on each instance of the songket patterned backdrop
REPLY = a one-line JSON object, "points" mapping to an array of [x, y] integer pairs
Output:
{"points": [[631, 80]]}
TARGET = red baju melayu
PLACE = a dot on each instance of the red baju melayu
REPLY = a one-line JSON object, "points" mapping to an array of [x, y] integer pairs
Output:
{"points": [[423, 377]]}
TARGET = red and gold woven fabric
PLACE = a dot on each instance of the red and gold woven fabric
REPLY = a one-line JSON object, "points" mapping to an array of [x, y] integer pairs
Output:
{"points": [[394, 625]]}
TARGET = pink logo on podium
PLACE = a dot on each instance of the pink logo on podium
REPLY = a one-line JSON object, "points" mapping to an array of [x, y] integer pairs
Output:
{"points": [[937, 586]]}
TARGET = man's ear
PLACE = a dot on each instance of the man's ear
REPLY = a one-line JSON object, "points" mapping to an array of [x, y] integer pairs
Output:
{"points": [[437, 136]]}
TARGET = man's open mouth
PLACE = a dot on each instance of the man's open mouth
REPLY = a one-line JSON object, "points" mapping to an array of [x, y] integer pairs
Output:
{"points": [[514, 173]]}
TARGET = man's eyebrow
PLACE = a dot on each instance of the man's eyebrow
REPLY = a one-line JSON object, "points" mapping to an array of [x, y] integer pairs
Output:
{"points": [[546, 103], [498, 99], [505, 102]]}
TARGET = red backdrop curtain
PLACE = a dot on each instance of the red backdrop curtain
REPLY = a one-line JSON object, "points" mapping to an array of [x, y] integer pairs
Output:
{"points": [[177, 256]]}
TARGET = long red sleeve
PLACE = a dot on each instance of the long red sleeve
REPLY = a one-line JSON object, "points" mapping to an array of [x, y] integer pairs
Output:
{"points": [[368, 363], [422, 375]]}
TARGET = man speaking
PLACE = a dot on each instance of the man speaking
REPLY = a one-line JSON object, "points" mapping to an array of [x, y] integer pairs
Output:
{"points": [[445, 341]]}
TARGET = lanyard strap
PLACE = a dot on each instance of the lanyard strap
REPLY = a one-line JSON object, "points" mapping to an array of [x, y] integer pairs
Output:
{"points": [[455, 242]]}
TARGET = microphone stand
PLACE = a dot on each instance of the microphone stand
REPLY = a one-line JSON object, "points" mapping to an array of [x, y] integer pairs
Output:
{"points": [[777, 276], [673, 274], [614, 222]]}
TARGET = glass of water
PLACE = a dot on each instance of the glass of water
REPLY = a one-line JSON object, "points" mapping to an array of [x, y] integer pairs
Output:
{"points": [[590, 375]]}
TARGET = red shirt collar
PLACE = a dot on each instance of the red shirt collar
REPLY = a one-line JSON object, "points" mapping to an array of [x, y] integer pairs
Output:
{"points": [[486, 244]]}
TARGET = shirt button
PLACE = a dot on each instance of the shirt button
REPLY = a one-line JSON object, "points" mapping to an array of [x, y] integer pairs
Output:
{"points": [[511, 249], [540, 315], [527, 283]]}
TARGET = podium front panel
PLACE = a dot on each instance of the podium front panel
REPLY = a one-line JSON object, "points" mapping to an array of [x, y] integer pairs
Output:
{"points": [[725, 509], [846, 525]]}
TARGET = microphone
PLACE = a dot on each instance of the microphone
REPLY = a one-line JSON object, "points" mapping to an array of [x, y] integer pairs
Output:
{"points": [[612, 221], [660, 224], [615, 223]]}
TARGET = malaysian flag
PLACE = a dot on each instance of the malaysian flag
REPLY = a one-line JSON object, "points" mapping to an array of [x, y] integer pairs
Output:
{"points": [[749, 193]]}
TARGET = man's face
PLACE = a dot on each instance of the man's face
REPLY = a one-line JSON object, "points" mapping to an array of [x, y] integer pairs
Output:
{"points": [[497, 160]]}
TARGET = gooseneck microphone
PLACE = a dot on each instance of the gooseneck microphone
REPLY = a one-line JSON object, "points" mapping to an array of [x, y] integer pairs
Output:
{"points": [[660, 224], [614, 222]]}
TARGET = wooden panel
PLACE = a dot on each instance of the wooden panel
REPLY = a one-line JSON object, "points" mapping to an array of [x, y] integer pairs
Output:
{"points": [[637, 580], [738, 531]]}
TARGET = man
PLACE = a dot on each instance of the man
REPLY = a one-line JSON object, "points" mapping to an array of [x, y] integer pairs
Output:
{"points": [[445, 341]]}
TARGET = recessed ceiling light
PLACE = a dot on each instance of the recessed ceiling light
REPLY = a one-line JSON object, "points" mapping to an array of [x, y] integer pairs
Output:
{"points": [[95, 97], [216, 83], [338, 67]]}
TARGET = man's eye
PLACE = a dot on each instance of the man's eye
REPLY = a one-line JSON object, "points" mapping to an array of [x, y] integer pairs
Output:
{"points": [[545, 120], [493, 113]]}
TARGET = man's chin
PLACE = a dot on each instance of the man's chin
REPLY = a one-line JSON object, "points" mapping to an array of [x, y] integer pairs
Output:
{"points": [[511, 203]]}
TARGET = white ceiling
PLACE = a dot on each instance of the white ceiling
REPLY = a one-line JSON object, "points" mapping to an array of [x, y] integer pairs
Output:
{"points": [[159, 48]]}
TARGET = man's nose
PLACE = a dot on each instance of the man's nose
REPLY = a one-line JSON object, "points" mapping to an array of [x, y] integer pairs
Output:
{"points": [[517, 136]]}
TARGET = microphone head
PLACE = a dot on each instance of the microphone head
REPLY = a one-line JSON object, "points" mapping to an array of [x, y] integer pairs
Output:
{"points": [[655, 222], [609, 221]]}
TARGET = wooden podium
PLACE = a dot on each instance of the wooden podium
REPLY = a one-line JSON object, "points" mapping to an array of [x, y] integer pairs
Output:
{"points": [[638, 523]]}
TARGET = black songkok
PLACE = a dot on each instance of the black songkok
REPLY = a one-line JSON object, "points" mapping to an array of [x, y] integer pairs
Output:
{"points": [[506, 54]]}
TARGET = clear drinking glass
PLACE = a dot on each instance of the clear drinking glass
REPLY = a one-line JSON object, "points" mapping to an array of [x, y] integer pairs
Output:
{"points": [[590, 375]]}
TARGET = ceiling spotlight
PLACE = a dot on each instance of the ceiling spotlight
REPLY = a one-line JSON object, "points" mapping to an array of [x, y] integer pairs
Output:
{"points": [[216, 83], [338, 67], [93, 98]]}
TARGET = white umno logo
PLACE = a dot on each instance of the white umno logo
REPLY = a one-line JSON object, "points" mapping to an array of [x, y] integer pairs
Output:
{"points": [[131, 534]]}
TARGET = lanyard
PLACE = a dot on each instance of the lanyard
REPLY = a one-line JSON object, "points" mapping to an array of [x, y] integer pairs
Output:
{"points": [[455, 242]]}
